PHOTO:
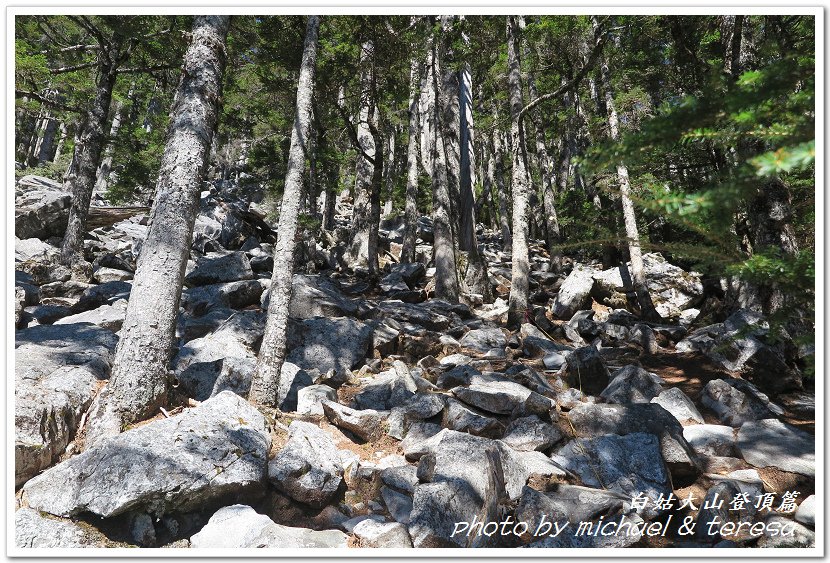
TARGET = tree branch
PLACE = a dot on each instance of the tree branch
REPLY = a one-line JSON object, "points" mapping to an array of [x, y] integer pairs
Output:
{"points": [[350, 128], [46, 101], [65, 69]]}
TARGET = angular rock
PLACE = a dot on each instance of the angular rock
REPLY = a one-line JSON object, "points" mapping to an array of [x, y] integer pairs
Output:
{"points": [[772, 443], [310, 399], [529, 433], [316, 296], [240, 526], [306, 468], [678, 404], [711, 439], [236, 295], [202, 380], [110, 317], [735, 401], [567, 503], [463, 419], [632, 384], [104, 275], [366, 424], [499, 397], [389, 389], [792, 534], [574, 292], [628, 464], [323, 343], [41, 208], [806, 513], [181, 463], [102, 294], [387, 535], [33, 530], [483, 340], [220, 267], [292, 380], [420, 314], [585, 370], [398, 504]]}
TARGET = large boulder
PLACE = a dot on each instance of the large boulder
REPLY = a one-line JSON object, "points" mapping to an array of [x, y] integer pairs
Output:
{"points": [[739, 345], [220, 267], [216, 450], [584, 369], [34, 530], [323, 343], [240, 526], [366, 424], [632, 384], [574, 293], [57, 369], [483, 340], [41, 208], [735, 401], [772, 443], [679, 404], [567, 504], [110, 317], [307, 467], [503, 397], [672, 289], [316, 296], [236, 295]]}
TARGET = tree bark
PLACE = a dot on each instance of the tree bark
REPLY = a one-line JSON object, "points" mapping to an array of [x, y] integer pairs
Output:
{"points": [[139, 382], [44, 153], [411, 206], [501, 193], [519, 286], [61, 140], [266, 382], [81, 179], [106, 163], [638, 275]]}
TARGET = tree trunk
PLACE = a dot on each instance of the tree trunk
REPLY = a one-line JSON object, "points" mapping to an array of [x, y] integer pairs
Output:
{"points": [[519, 287], [61, 140], [44, 154], [501, 193], [389, 172], [446, 273], [638, 275], [411, 207], [81, 179], [106, 164], [139, 376], [266, 382]]}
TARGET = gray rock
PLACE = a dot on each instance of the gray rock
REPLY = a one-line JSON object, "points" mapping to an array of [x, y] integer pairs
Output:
{"points": [[585, 369], [386, 535], [19, 302], [33, 530], [463, 419], [500, 397], [292, 380], [389, 389], [419, 439], [678, 404], [180, 463], [632, 384], [202, 380], [102, 294], [567, 503], [713, 515], [554, 361], [220, 267], [735, 401], [596, 540], [393, 283], [104, 275], [711, 439], [791, 533], [628, 464], [323, 343], [236, 295], [110, 317], [316, 296], [411, 273], [402, 477], [536, 343], [593, 420], [57, 369], [772, 443], [34, 250], [366, 424], [306, 468], [420, 314], [529, 433], [483, 340], [237, 337], [310, 399], [41, 208], [574, 292], [240, 526], [806, 513], [455, 360]]}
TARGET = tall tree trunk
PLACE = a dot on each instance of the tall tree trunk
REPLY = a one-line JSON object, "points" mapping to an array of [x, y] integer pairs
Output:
{"points": [[411, 207], [389, 171], [81, 179], [106, 163], [139, 376], [446, 272], [44, 153], [638, 275], [61, 140], [501, 193], [266, 382], [519, 285]]}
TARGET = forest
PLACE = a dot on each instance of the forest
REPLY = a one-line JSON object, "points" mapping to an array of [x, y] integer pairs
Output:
{"points": [[350, 281]]}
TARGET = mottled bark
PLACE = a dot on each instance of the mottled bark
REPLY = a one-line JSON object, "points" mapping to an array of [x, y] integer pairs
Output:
{"points": [[389, 171], [265, 385], [61, 140], [44, 152], [105, 168], [520, 271], [140, 379], [411, 205], [501, 193]]}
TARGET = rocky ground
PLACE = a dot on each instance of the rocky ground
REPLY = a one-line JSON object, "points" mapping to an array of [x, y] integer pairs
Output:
{"points": [[401, 415]]}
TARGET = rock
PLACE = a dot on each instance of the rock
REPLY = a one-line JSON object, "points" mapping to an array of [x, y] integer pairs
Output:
{"points": [[554, 361], [393, 283], [790, 533], [110, 317], [306, 468], [398, 504], [316, 296], [632, 384], [237, 337], [772, 443], [594, 539], [411, 273], [711, 439], [628, 464], [220, 267], [714, 511], [401, 477], [292, 380], [678, 404], [499, 397], [142, 530], [202, 380], [236, 295], [567, 503], [595, 420], [376, 534], [41, 208], [240, 526], [585, 369], [310, 399], [574, 292], [34, 250], [57, 369], [738, 345], [102, 294], [536, 343], [104, 275], [421, 406], [389, 389], [419, 314], [366, 424], [483, 340], [323, 343], [463, 419], [735, 401], [688, 317], [529, 433], [806, 513], [33, 530], [180, 463], [19, 302]]}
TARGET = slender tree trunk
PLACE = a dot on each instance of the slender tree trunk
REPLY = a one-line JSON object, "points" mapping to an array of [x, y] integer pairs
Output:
{"points": [[389, 172], [501, 193], [446, 273], [106, 164], [519, 285], [81, 179], [411, 206], [332, 182], [139, 376], [266, 382], [47, 141], [638, 275], [61, 140]]}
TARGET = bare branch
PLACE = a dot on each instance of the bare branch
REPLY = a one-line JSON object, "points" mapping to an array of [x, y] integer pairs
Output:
{"points": [[46, 101], [65, 69]]}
